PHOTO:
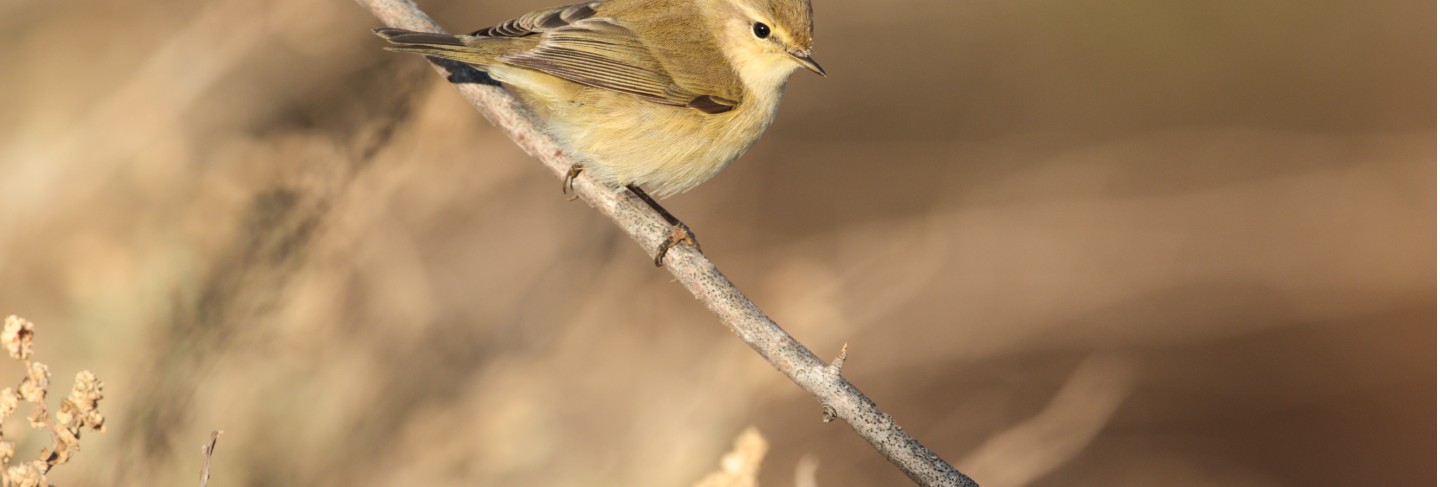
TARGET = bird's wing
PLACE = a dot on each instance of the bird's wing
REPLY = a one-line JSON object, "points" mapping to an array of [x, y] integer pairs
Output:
{"points": [[578, 45], [540, 21]]}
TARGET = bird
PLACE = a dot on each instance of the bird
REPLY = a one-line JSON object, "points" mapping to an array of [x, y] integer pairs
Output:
{"points": [[648, 95]]}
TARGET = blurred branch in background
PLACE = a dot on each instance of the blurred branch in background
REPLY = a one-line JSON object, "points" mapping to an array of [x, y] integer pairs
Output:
{"points": [[1075, 416], [128, 117], [694, 271]]}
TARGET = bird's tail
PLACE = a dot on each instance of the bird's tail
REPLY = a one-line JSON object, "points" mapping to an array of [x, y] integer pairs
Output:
{"points": [[443, 46]]}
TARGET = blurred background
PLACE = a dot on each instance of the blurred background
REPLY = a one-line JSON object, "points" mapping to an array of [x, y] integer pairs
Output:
{"points": [[1069, 243]]}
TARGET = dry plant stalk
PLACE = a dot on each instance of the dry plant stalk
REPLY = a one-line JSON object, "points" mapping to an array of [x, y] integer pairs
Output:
{"points": [[740, 467], [839, 398], [77, 411], [208, 449]]}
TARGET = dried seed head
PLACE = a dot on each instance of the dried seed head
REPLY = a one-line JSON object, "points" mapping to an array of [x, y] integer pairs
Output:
{"points": [[9, 401], [26, 475], [18, 337], [37, 380], [7, 451], [81, 408], [78, 410]]}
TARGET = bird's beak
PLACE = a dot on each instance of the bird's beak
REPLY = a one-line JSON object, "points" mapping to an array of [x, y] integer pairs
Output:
{"points": [[808, 62]]}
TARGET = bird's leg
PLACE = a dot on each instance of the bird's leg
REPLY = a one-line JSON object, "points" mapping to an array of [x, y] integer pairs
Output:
{"points": [[567, 186], [679, 233]]}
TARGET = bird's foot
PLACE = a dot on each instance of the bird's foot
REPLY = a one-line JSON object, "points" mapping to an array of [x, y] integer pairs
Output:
{"points": [[567, 186], [679, 234]]}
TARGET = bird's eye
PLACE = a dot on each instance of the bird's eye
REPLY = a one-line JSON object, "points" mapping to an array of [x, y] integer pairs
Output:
{"points": [[761, 30]]}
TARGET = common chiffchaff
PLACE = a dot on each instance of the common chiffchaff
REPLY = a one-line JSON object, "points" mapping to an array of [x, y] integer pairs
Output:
{"points": [[659, 94]]}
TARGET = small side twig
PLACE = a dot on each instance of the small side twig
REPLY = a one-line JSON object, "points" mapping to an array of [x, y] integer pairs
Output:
{"points": [[700, 276], [209, 450], [839, 362]]}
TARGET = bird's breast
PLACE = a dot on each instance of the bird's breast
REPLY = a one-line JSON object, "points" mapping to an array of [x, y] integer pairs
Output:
{"points": [[666, 149]]}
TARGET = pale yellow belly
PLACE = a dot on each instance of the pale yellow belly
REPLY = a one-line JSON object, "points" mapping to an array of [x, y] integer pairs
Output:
{"points": [[627, 140]]}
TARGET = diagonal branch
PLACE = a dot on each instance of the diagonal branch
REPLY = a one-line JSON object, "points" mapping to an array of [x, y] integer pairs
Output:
{"points": [[693, 270]]}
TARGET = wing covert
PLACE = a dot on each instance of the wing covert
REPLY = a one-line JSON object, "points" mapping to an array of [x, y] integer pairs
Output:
{"points": [[540, 21], [579, 44], [600, 53]]}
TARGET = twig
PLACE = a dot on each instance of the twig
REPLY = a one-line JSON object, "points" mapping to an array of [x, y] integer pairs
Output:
{"points": [[209, 450], [694, 271]]}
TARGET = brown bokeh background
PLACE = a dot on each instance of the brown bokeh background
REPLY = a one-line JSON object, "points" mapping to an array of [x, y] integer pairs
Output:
{"points": [[1068, 243]]}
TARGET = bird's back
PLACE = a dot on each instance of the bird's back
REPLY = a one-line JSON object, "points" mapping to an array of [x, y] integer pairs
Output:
{"points": [[676, 32]]}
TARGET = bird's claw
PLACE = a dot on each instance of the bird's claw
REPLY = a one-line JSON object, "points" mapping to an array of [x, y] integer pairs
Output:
{"points": [[567, 186], [679, 233]]}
